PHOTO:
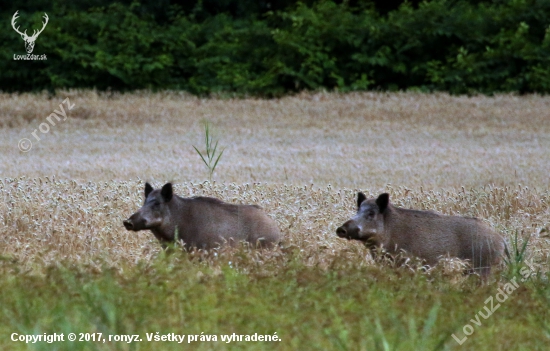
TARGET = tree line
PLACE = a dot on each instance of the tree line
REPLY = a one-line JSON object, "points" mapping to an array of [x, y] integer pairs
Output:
{"points": [[272, 48]]}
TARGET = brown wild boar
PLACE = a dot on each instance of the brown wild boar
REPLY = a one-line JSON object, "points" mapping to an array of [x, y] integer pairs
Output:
{"points": [[202, 222], [424, 234]]}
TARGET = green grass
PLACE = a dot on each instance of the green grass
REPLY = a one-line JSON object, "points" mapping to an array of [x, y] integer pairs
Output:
{"points": [[341, 308]]}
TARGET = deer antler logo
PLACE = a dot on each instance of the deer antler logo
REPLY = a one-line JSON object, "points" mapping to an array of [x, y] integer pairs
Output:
{"points": [[29, 41]]}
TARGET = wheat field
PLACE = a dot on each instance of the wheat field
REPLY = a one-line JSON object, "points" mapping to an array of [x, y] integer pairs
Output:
{"points": [[302, 158]]}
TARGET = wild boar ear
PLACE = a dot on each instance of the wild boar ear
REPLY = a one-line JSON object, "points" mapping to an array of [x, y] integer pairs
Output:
{"points": [[148, 189], [383, 201], [167, 192], [360, 198]]}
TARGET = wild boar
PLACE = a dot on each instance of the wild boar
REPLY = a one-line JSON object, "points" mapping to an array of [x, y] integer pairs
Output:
{"points": [[202, 222], [424, 234]]}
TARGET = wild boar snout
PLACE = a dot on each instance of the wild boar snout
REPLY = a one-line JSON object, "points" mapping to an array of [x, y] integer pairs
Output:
{"points": [[136, 222], [348, 230], [128, 224]]}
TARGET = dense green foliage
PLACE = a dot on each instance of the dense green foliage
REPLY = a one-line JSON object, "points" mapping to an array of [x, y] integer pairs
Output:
{"points": [[347, 307], [272, 48]]}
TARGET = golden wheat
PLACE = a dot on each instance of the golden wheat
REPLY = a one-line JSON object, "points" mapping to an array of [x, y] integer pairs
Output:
{"points": [[48, 220], [346, 140], [301, 158]]}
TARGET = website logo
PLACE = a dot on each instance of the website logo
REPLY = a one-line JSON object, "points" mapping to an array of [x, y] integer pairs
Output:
{"points": [[29, 40]]}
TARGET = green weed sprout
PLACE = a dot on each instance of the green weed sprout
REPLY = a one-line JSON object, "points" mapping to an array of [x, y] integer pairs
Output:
{"points": [[515, 259], [210, 158]]}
